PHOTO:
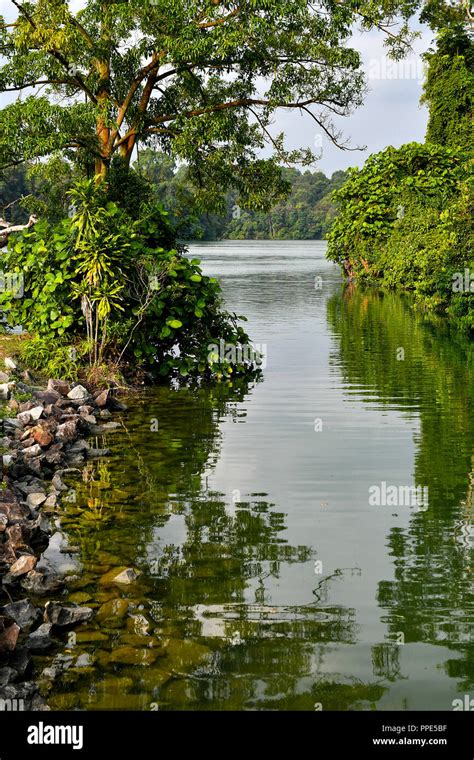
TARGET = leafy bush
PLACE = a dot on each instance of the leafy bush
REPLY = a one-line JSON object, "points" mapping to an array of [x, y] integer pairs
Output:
{"points": [[404, 220], [103, 281]]}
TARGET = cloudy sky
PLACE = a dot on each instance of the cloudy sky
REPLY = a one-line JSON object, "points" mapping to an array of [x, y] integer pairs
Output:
{"points": [[391, 114]]}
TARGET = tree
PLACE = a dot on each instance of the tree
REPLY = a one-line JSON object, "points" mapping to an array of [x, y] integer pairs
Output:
{"points": [[448, 88], [202, 79]]}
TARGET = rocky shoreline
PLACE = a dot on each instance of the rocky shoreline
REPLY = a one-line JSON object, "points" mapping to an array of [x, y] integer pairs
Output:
{"points": [[44, 440]]}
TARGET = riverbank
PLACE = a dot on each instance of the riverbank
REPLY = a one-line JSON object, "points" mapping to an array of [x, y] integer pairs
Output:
{"points": [[44, 441]]}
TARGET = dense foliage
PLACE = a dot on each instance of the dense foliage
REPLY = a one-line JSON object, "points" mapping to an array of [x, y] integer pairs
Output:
{"points": [[101, 285], [405, 218], [449, 88], [201, 78], [305, 213]]}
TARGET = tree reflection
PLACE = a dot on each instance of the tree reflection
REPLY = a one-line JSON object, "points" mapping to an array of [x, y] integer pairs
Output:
{"points": [[430, 599]]}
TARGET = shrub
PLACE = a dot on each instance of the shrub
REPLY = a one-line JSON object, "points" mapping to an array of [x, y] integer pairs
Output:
{"points": [[404, 220], [103, 280]]}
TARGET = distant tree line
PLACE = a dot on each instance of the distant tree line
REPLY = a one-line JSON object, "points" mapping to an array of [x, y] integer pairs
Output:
{"points": [[306, 211]]}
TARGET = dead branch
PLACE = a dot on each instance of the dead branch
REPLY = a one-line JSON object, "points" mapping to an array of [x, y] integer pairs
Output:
{"points": [[7, 229]]}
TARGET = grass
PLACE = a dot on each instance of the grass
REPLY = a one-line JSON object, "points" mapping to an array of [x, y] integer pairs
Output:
{"points": [[10, 345]]}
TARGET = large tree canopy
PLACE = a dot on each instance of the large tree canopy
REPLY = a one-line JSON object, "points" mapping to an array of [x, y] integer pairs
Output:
{"points": [[202, 78]]}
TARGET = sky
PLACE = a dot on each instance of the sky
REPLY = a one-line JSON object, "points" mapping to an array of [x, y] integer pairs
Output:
{"points": [[391, 113]]}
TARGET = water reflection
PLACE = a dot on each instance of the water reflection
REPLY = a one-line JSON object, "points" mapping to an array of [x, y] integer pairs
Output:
{"points": [[430, 599], [227, 507]]}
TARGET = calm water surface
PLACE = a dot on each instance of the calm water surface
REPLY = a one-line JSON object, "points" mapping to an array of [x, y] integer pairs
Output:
{"points": [[268, 579]]}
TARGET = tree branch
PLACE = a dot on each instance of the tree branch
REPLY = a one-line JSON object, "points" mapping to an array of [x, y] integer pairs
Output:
{"points": [[56, 54], [9, 229]]}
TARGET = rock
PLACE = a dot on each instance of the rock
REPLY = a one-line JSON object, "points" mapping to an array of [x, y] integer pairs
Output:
{"points": [[54, 455], [14, 512], [105, 414], [29, 485], [138, 624], [78, 393], [27, 376], [24, 418], [47, 397], [24, 614], [79, 597], [27, 442], [60, 664], [20, 660], [41, 436], [4, 377], [9, 632], [131, 656], [3, 522], [40, 640], [7, 460], [90, 419], [114, 609], [96, 453], [51, 501], [12, 422], [7, 675], [102, 399], [7, 557], [13, 405], [34, 500], [18, 536], [64, 617], [67, 431], [10, 363], [34, 464], [127, 576], [36, 412], [58, 484], [78, 446], [26, 694], [5, 390], [90, 637], [32, 451], [39, 583], [84, 660], [23, 565], [53, 410], [85, 409], [59, 386]]}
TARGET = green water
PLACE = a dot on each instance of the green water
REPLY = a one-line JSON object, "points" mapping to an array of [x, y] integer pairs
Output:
{"points": [[227, 509]]}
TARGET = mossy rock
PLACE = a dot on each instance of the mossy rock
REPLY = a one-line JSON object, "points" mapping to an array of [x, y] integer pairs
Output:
{"points": [[80, 597], [103, 658], [111, 614], [112, 685], [132, 656], [184, 654], [90, 637], [135, 640], [153, 678]]}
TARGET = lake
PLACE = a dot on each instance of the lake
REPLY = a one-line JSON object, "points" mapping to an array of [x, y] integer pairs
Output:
{"points": [[305, 542]]}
